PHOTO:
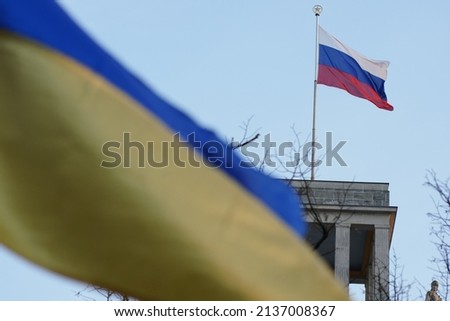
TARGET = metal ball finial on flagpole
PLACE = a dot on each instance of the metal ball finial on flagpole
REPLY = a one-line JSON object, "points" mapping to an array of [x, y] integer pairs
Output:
{"points": [[317, 9]]}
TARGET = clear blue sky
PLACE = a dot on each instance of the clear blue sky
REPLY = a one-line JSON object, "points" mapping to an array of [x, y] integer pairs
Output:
{"points": [[226, 61]]}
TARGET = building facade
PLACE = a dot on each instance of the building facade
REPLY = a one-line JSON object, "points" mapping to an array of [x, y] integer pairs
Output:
{"points": [[351, 225]]}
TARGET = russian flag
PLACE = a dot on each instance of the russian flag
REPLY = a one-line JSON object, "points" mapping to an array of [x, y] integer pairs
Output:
{"points": [[188, 230], [344, 68]]}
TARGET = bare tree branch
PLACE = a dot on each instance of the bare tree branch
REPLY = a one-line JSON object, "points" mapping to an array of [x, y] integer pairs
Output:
{"points": [[440, 230]]}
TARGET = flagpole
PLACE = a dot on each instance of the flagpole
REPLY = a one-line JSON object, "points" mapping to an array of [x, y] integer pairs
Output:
{"points": [[317, 9]]}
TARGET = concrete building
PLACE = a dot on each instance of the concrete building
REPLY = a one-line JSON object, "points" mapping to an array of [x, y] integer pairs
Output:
{"points": [[351, 226]]}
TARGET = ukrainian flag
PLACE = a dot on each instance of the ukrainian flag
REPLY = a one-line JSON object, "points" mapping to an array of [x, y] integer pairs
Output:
{"points": [[201, 227]]}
